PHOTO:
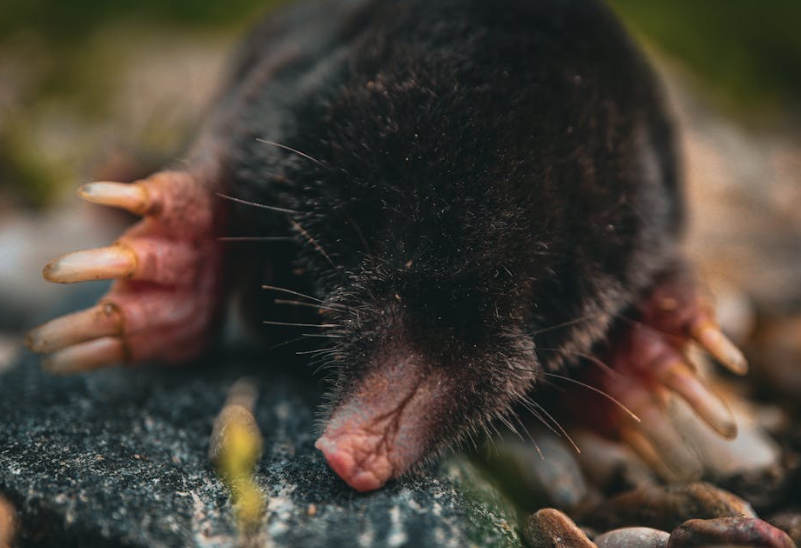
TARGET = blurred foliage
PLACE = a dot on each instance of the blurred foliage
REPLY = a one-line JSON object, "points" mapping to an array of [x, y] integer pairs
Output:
{"points": [[71, 71], [748, 52], [69, 21]]}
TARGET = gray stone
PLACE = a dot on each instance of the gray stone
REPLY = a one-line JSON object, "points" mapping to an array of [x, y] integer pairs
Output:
{"points": [[536, 479], [633, 537], [119, 458]]}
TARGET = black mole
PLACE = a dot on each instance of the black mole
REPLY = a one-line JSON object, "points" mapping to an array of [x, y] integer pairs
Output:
{"points": [[473, 190]]}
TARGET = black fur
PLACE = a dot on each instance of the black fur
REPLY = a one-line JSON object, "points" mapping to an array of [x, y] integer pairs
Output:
{"points": [[478, 172]]}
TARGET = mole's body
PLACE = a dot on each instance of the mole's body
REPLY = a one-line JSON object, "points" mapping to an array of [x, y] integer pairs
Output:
{"points": [[475, 190]]}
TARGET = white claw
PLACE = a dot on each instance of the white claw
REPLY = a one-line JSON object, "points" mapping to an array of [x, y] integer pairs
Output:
{"points": [[665, 447], [86, 356], [116, 261], [99, 321], [134, 197], [708, 406], [709, 335]]}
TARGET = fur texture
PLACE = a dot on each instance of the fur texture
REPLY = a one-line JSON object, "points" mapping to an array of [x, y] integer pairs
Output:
{"points": [[467, 175]]}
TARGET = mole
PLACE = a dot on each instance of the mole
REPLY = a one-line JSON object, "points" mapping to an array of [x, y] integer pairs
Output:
{"points": [[459, 198]]}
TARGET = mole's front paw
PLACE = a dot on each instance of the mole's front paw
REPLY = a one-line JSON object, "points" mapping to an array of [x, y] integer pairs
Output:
{"points": [[650, 362], [168, 280]]}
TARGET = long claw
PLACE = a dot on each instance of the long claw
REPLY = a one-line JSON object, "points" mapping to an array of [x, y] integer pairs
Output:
{"points": [[116, 261], [87, 356], [632, 437], [134, 197], [679, 378], [709, 335], [99, 321], [669, 446]]}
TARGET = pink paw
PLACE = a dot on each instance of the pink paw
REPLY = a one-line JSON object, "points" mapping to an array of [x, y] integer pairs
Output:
{"points": [[650, 363], [168, 280]]}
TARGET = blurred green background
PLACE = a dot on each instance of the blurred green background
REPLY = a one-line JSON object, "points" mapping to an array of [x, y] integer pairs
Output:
{"points": [[75, 81]]}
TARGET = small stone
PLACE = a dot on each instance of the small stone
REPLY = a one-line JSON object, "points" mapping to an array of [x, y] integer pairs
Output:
{"points": [[633, 537], [534, 479], [610, 466], [550, 528], [665, 508], [790, 523], [740, 530]]}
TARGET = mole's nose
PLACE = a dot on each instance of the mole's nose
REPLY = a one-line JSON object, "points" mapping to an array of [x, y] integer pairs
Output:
{"points": [[357, 460]]}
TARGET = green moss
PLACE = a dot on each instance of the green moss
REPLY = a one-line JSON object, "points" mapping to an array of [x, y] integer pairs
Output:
{"points": [[492, 518]]}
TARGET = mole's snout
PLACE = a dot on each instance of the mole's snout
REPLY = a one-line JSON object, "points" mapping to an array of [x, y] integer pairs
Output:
{"points": [[384, 426], [357, 458]]}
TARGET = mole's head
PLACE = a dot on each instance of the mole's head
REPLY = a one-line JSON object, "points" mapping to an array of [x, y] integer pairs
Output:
{"points": [[432, 261], [422, 360], [429, 237]]}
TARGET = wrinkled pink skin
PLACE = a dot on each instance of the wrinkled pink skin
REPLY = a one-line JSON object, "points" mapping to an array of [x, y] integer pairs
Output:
{"points": [[382, 429]]}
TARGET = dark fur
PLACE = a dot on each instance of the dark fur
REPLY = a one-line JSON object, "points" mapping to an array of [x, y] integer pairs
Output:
{"points": [[483, 170]]}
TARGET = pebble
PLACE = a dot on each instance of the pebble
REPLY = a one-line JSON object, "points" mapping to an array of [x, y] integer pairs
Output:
{"points": [[666, 507], [611, 466], [633, 537], [550, 477], [550, 528], [733, 530]]}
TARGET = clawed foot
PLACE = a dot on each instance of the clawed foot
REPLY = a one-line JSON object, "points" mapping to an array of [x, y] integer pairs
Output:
{"points": [[649, 359], [167, 272]]}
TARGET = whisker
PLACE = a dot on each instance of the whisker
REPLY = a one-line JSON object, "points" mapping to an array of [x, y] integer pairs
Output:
{"points": [[565, 324], [529, 405], [316, 245], [315, 351], [322, 335], [291, 292], [506, 422], [256, 204], [291, 324], [589, 357], [292, 150], [310, 305], [528, 435], [597, 391], [285, 343], [558, 426]]}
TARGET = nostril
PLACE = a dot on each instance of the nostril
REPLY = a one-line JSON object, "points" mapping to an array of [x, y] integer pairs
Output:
{"points": [[342, 460]]}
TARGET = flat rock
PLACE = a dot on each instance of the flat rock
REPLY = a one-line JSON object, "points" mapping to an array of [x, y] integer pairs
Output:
{"points": [[119, 458]]}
